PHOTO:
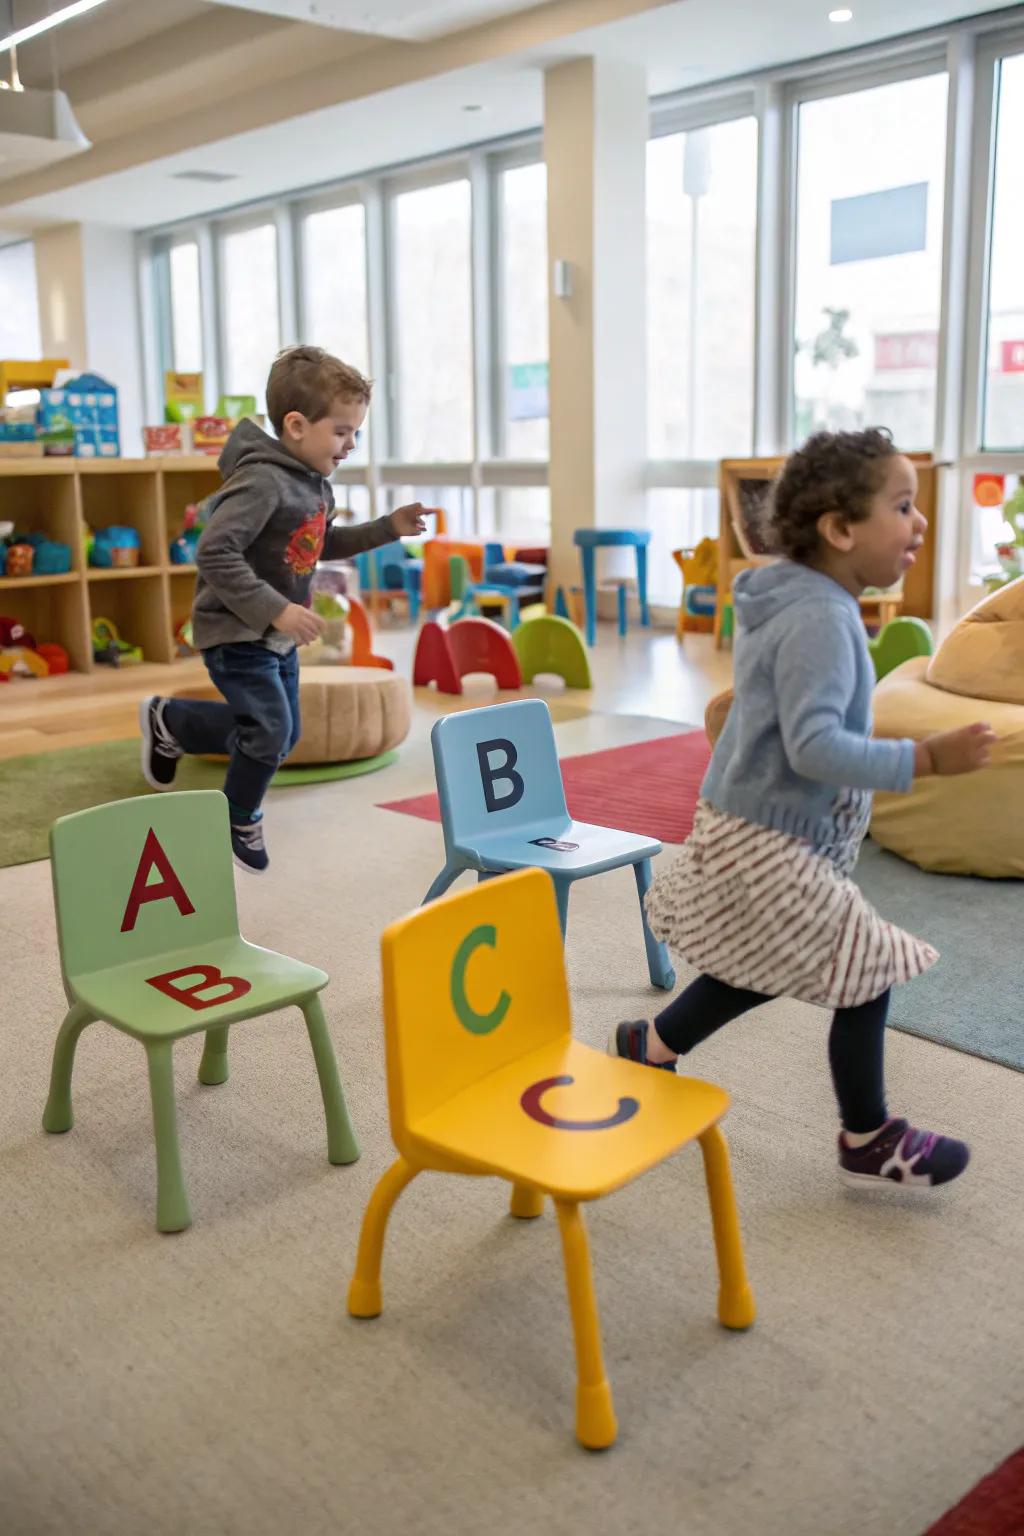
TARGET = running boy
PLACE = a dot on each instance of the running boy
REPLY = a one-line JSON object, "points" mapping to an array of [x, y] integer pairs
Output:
{"points": [[267, 527]]}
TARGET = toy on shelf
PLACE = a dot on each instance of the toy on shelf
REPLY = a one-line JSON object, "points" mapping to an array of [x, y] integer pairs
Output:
{"points": [[20, 559], [115, 548], [20, 654], [699, 570], [1011, 553], [445, 656], [109, 648], [183, 645], [552, 645], [183, 550]]}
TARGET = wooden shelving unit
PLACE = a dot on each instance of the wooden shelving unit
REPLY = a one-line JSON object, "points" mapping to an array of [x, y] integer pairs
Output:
{"points": [[59, 497], [743, 483]]}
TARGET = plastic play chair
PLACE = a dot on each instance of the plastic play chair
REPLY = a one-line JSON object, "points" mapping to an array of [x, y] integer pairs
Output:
{"points": [[503, 807], [485, 1078], [149, 941], [548, 643], [899, 641]]}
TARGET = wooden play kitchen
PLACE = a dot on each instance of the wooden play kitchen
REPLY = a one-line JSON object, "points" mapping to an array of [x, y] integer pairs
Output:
{"points": [[61, 499]]}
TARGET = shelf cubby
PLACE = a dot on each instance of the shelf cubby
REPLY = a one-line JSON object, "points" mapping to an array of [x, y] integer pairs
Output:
{"points": [[58, 497]]}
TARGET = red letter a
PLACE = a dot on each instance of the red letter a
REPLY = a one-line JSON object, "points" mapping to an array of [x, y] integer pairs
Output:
{"points": [[153, 856]]}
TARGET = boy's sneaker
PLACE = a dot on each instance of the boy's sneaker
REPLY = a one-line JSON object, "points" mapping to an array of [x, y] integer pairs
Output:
{"points": [[160, 751], [901, 1154], [630, 1042], [248, 847]]}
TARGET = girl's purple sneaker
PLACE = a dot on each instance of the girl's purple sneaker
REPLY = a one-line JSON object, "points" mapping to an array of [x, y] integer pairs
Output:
{"points": [[630, 1042], [901, 1154]]}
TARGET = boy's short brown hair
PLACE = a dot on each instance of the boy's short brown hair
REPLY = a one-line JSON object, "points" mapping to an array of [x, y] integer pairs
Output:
{"points": [[309, 380]]}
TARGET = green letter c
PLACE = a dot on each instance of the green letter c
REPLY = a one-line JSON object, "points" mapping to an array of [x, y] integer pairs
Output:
{"points": [[476, 1023]]}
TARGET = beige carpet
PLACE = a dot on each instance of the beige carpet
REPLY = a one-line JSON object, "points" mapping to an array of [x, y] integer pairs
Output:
{"points": [[210, 1384]]}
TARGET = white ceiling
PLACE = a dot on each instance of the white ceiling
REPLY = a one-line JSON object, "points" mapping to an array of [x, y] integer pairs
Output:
{"points": [[684, 44], [410, 19]]}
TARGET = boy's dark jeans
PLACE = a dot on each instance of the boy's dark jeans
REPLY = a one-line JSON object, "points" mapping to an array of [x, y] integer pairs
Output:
{"points": [[258, 726]]}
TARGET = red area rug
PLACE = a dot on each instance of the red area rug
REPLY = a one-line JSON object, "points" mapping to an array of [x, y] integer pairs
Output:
{"points": [[650, 788], [994, 1508]]}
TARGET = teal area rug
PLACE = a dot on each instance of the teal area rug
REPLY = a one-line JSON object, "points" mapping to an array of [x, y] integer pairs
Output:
{"points": [[973, 999], [38, 788]]}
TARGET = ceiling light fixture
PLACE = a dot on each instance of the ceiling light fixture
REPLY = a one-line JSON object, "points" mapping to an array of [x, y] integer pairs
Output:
{"points": [[55, 19], [841, 15]]}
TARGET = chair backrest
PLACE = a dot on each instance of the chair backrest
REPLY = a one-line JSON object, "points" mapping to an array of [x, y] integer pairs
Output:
{"points": [[458, 576], [471, 982], [137, 878], [497, 769]]}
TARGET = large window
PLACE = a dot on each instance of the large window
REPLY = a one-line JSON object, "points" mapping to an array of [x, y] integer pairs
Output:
{"points": [[186, 313], [333, 289], [701, 223], [432, 339], [524, 312], [334, 283], [249, 303], [870, 190], [19, 303], [1004, 391]]}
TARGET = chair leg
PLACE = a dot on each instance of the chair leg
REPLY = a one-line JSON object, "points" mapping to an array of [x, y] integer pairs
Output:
{"points": [[441, 884], [562, 897], [172, 1209], [57, 1115], [659, 966], [526, 1203], [364, 1294], [342, 1146], [595, 1414], [735, 1298], [213, 1068]]}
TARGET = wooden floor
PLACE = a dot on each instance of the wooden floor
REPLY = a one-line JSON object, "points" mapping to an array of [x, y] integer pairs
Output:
{"points": [[646, 673]]}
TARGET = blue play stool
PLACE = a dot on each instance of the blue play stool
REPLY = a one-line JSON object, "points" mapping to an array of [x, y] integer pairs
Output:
{"points": [[589, 539], [503, 808]]}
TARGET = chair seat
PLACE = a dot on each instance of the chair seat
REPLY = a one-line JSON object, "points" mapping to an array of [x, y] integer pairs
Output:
{"points": [[600, 848], [123, 996], [638, 1117], [516, 573]]}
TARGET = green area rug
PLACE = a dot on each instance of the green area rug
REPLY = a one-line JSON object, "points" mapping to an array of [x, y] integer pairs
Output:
{"points": [[973, 999], [39, 788]]}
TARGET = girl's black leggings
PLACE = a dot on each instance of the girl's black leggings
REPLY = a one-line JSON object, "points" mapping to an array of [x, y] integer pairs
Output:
{"points": [[856, 1043]]}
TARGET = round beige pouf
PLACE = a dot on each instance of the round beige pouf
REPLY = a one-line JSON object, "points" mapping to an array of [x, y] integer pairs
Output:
{"points": [[347, 712], [972, 824]]}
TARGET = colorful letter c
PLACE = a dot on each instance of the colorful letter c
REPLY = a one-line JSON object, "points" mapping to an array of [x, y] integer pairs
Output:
{"points": [[476, 1023], [531, 1103]]}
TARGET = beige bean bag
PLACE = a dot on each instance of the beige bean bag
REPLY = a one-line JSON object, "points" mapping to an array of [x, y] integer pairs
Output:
{"points": [[347, 712], [972, 824], [984, 656]]}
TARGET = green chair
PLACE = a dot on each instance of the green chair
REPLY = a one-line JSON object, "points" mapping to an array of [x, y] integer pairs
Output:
{"points": [[549, 643], [149, 941], [900, 641]]}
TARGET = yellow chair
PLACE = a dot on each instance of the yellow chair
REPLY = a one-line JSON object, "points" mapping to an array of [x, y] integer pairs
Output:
{"points": [[485, 1078]]}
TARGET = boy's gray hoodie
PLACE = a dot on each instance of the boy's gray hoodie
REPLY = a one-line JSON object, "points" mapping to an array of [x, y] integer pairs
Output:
{"points": [[266, 528]]}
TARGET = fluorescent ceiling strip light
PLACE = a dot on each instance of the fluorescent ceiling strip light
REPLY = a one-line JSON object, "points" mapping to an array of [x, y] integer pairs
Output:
{"points": [[56, 19]]}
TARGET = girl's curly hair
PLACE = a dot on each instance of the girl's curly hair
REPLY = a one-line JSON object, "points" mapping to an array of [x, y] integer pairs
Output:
{"points": [[832, 472]]}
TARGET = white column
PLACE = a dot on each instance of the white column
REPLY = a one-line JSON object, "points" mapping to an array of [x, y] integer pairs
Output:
{"points": [[87, 276], [595, 144]]}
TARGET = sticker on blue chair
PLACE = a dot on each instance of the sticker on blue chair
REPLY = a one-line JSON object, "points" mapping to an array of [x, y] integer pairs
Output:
{"points": [[491, 774], [531, 1104], [553, 842]]}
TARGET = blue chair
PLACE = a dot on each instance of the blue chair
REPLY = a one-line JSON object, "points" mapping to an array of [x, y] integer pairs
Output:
{"points": [[587, 541], [503, 808]]}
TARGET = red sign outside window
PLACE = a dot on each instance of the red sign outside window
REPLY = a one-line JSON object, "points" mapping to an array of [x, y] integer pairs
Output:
{"points": [[1012, 357]]}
